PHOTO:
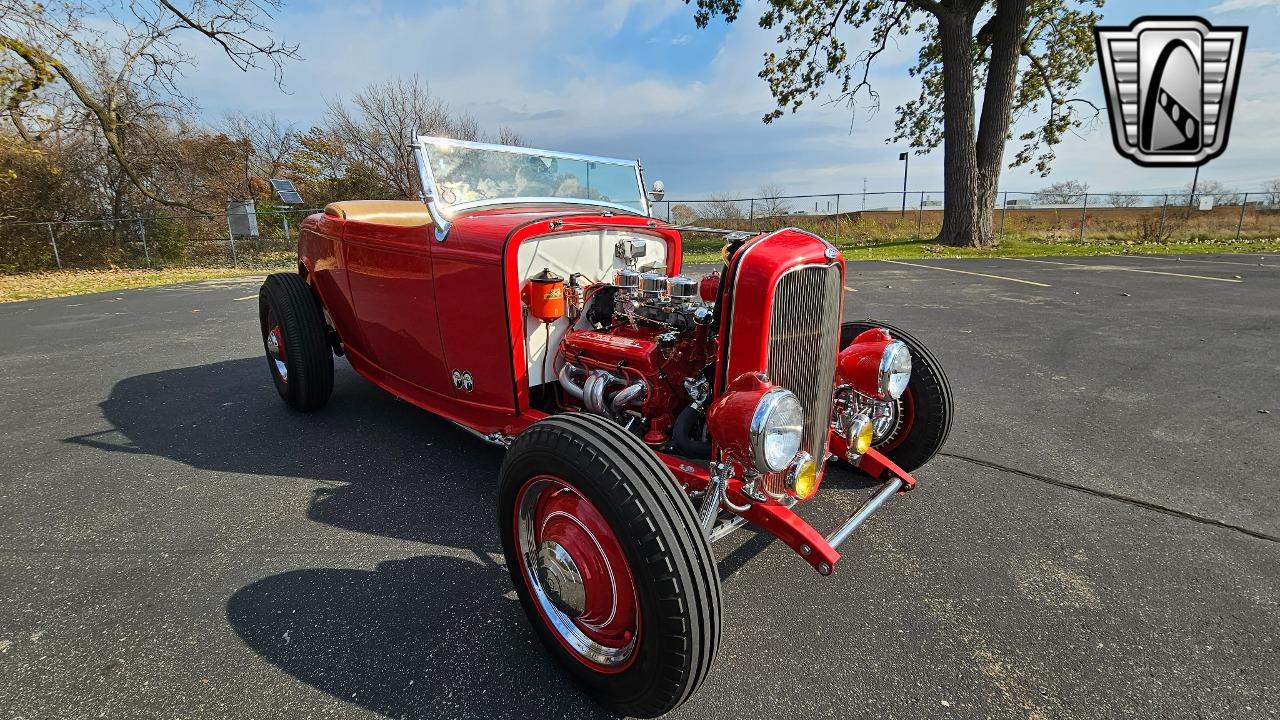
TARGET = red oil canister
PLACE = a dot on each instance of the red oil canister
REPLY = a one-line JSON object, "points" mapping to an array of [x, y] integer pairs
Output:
{"points": [[545, 296]]}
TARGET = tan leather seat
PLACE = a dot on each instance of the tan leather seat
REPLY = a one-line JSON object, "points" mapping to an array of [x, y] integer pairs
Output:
{"points": [[399, 213]]}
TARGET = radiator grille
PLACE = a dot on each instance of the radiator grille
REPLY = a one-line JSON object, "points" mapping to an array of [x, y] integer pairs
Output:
{"points": [[804, 336]]}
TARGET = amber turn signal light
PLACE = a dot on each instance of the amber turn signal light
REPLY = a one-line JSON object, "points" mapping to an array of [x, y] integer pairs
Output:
{"points": [[861, 436], [804, 477]]}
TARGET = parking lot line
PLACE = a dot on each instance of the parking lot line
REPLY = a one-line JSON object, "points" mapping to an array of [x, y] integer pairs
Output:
{"points": [[1125, 269], [247, 297], [966, 272], [1197, 260]]}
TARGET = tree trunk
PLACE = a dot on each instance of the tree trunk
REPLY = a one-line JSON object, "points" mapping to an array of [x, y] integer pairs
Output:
{"points": [[960, 224], [1008, 26]]}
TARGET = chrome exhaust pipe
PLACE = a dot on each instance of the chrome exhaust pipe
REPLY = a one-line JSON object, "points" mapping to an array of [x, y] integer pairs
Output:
{"points": [[566, 381], [626, 396], [591, 393]]}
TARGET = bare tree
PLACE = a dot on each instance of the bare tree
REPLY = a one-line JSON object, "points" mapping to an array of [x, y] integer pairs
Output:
{"points": [[772, 203], [267, 140], [102, 53], [1271, 190], [1221, 194], [1063, 192], [507, 136], [721, 207], [1122, 200], [376, 129]]}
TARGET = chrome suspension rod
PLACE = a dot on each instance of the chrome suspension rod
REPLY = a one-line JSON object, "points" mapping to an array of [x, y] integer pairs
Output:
{"points": [[853, 523]]}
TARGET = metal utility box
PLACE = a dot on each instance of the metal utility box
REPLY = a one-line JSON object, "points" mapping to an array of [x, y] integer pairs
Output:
{"points": [[242, 219]]}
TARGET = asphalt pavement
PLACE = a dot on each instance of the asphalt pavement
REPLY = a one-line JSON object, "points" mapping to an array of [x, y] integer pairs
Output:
{"points": [[1100, 539]]}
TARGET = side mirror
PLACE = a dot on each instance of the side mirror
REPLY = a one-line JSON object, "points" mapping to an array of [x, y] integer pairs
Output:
{"points": [[658, 192]]}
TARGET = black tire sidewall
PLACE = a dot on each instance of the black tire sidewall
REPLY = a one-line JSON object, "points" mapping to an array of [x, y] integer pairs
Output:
{"points": [[930, 394], [286, 300], [636, 690]]}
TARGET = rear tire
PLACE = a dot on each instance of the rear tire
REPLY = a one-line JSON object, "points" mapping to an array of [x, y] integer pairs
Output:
{"points": [[579, 485], [925, 405], [293, 336]]}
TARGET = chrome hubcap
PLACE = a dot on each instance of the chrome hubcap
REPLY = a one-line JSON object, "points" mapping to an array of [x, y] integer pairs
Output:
{"points": [[577, 573], [560, 579], [276, 354]]}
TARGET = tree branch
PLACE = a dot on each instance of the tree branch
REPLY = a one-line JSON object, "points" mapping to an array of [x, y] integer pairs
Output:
{"points": [[41, 61], [929, 6], [868, 56], [236, 44]]}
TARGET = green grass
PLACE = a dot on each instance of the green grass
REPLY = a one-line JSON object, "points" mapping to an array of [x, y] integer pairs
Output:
{"points": [[708, 250], [61, 283]]}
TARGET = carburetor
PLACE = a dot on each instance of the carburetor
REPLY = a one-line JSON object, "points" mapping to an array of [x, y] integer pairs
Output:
{"points": [[672, 301]]}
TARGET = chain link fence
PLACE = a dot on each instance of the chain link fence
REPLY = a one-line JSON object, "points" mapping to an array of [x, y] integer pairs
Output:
{"points": [[151, 242], [1143, 218], [855, 218], [877, 217]]}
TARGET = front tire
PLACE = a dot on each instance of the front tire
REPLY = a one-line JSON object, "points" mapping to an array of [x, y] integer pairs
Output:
{"points": [[922, 416], [293, 336], [610, 564]]}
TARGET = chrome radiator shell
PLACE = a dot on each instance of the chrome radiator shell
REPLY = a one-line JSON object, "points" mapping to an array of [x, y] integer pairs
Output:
{"points": [[804, 339]]}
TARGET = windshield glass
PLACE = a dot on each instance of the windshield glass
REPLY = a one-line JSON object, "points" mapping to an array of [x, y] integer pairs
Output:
{"points": [[464, 173]]}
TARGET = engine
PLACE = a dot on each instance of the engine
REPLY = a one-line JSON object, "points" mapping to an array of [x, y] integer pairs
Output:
{"points": [[641, 352]]}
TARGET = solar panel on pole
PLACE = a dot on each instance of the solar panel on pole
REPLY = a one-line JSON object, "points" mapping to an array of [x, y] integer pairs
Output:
{"points": [[285, 190]]}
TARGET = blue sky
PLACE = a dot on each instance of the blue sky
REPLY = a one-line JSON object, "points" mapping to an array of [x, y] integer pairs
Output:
{"points": [[636, 78]]}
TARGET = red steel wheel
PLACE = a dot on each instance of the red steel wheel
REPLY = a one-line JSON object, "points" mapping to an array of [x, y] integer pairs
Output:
{"points": [[575, 569], [609, 562], [913, 428]]}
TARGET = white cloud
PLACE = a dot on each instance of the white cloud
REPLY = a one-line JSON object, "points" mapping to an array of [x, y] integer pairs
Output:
{"points": [[547, 70], [1235, 5]]}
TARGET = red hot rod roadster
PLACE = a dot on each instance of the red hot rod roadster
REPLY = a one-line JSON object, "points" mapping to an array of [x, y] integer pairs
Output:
{"points": [[532, 299]]}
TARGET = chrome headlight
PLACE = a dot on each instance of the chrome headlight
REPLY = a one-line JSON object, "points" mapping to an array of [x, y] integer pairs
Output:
{"points": [[777, 426], [895, 369]]}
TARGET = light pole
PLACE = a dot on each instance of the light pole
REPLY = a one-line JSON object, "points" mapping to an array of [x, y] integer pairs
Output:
{"points": [[1195, 180], [906, 163]]}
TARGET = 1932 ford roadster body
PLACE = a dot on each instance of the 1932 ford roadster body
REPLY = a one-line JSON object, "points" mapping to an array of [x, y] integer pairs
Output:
{"points": [[531, 299]]}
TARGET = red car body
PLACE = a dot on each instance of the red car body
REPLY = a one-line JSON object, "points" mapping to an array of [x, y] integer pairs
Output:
{"points": [[409, 311], [531, 299]]}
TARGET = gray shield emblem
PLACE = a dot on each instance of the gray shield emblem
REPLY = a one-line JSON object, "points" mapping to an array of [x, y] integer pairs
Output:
{"points": [[1171, 86]]}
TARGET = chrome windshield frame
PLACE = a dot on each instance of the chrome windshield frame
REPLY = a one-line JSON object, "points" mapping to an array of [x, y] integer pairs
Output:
{"points": [[442, 217]]}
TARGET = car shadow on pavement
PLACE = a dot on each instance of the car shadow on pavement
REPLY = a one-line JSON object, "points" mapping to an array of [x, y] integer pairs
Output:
{"points": [[425, 637], [226, 416], [383, 466], [430, 636]]}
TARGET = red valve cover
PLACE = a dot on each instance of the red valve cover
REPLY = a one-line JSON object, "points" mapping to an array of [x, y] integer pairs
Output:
{"points": [[635, 349]]}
